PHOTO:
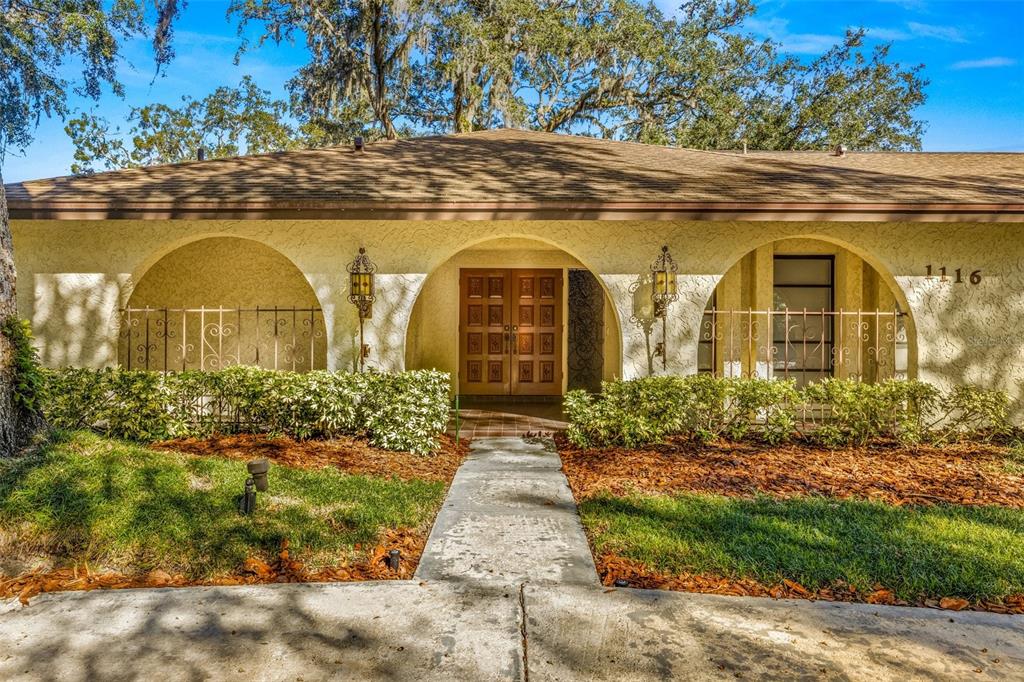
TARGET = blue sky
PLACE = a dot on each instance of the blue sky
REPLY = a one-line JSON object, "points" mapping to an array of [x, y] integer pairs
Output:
{"points": [[972, 50]]}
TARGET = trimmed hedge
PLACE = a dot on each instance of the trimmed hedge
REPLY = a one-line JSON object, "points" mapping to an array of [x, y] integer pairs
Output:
{"points": [[834, 412], [398, 411]]}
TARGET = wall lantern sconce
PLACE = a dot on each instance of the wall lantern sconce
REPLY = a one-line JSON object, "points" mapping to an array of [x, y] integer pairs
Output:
{"points": [[361, 295], [665, 292]]}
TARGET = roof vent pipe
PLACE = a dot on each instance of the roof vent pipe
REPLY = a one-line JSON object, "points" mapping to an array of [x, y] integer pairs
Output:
{"points": [[358, 143], [201, 154], [744, 146], [840, 150]]}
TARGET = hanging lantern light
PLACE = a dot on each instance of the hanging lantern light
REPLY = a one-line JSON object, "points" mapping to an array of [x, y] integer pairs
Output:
{"points": [[665, 291], [361, 294]]}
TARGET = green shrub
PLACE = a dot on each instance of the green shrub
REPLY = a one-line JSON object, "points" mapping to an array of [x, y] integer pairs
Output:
{"points": [[648, 410], [975, 412], [628, 413], [404, 411], [855, 413], [407, 410], [834, 412], [28, 377]]}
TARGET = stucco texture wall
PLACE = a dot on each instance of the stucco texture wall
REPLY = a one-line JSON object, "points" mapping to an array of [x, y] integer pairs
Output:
{"points": [[74, 275]]}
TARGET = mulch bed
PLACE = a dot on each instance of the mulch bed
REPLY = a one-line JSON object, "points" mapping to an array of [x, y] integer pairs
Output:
{"points": [[351, 455], [612, 567], [283, 569], [964, 474]]}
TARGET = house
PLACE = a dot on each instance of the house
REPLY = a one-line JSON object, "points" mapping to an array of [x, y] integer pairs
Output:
{"points": [[527, 263]]}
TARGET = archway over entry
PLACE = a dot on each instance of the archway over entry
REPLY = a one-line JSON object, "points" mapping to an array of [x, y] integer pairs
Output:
{"points": [[515, 317], [805, 309], [221, 301]]}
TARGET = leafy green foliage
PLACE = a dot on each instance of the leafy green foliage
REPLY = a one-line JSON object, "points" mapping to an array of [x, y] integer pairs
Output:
{"points": [[857, 413], [224, 123], [648, 410], [28, 376], [816, 541], [360, 54], [404, 411], [620, 69], [39, 36], [629, 413], [119, 505], [834, 412]]}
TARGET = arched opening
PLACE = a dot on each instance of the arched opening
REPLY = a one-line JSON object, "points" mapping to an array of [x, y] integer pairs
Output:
{"points": [[515, 316], [806, 309], [222, 301]]}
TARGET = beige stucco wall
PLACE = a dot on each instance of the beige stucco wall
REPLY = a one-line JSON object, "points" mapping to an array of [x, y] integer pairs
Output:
{"points": [[74, 275], [223, 271]]}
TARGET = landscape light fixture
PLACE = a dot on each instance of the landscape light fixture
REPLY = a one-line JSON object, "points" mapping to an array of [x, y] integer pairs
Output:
{"points": [[361, 295], [258, 480], [664, 291]]}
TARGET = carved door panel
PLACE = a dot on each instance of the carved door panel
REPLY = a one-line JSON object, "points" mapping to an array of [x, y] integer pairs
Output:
{"points": [[484, 333], [536, 305], [510, 332]]}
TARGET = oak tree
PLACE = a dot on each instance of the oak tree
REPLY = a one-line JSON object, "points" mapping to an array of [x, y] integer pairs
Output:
{"points": [[37, 38]]}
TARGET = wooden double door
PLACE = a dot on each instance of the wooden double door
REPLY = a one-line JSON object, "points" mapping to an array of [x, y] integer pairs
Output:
{"points": [[510, 332]]}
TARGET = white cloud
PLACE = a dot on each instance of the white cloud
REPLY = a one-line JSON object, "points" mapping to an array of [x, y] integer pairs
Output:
{"points": [[798, 43], [887, 33], [947, 33], [988, 63]]}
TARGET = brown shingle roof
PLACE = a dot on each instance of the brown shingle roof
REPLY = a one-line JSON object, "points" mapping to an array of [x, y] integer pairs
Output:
{"points": [[520, 167]]}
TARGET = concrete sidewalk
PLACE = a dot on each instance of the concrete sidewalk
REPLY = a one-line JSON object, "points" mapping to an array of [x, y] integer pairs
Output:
{"points": [[506, 591], [431, 631]]}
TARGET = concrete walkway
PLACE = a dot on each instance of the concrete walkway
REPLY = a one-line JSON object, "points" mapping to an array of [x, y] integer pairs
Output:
{"points": [[509, 518], [506, 591]]}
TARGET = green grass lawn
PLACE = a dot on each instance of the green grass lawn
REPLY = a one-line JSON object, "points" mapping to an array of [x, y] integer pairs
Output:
{"points": [[918, 552], [132, 509]]}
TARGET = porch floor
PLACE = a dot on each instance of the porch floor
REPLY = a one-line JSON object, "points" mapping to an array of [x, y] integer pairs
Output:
{"points": [[499, 418]]}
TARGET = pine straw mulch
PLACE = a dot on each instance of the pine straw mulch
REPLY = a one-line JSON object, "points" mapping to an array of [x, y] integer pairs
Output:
{"points": [[963, 474], [351, 455], [612, 567], [284, 569]]}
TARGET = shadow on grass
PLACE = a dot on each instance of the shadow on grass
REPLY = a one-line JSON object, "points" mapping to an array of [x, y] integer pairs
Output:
{"points": [[918, 552], [85, 498]]}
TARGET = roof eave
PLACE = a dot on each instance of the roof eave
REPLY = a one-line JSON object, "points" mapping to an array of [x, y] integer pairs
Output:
{"points": [[552, 210]]}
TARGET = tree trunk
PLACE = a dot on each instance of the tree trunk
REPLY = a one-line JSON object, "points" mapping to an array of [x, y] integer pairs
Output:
{"points": [[10, 429]]}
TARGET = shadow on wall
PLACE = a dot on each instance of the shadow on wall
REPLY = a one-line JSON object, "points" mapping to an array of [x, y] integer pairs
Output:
{"points": [[385, 332], [642, 317], [74, 318], [981, 344]]}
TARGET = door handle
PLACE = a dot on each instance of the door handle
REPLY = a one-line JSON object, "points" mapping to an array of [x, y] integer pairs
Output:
{"points": [[515, 342]]}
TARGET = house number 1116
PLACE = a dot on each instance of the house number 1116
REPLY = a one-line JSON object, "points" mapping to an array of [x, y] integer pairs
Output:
{"points": [[958, 275]]}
